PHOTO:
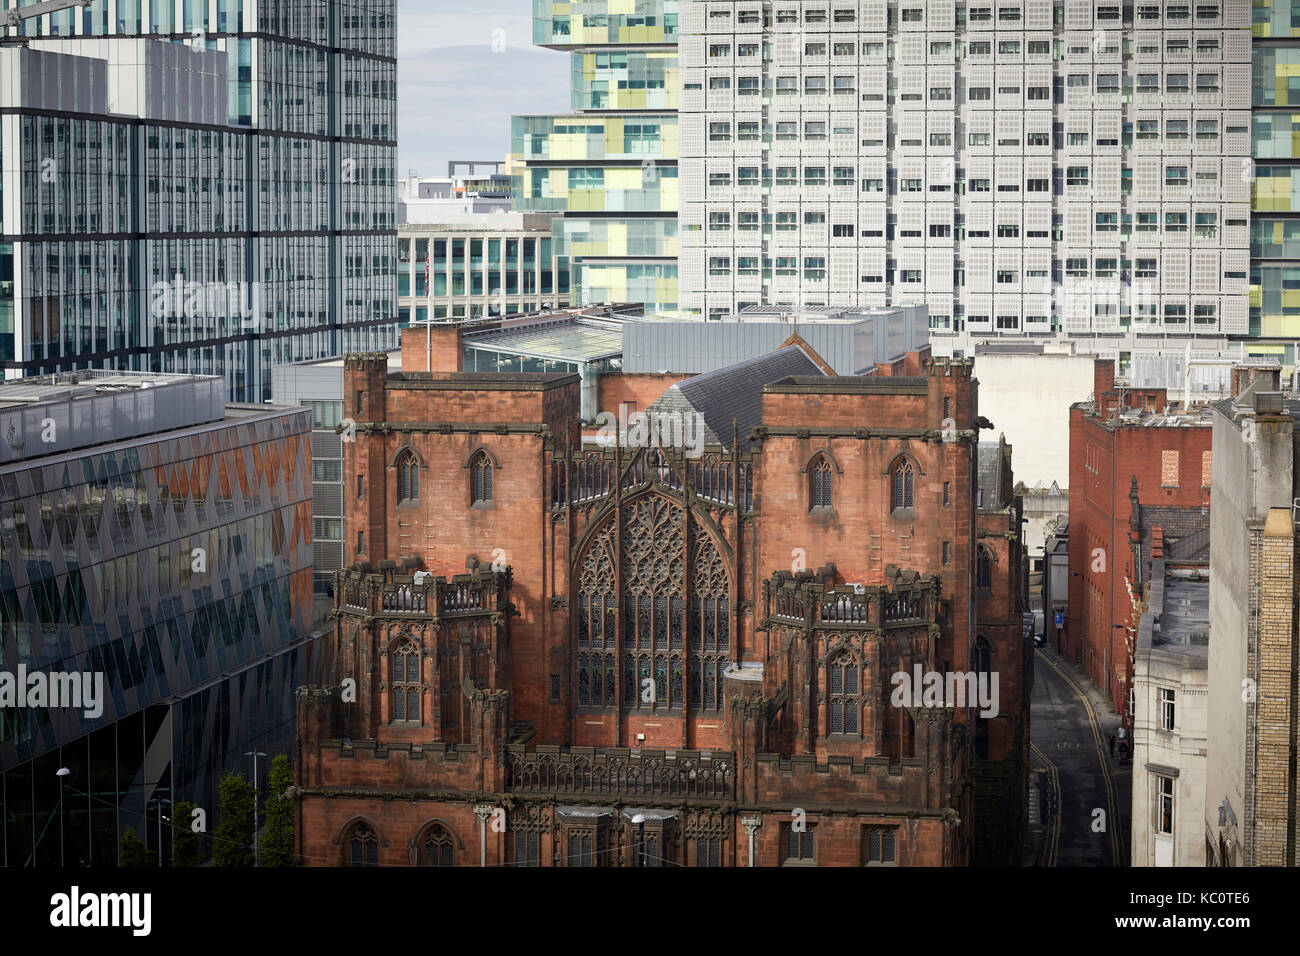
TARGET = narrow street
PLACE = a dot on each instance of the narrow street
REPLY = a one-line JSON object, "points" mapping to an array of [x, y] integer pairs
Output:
{"points": [[1080, 796]]}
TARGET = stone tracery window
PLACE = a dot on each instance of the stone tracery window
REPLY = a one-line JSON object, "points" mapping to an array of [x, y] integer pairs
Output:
{"points": [[408, 478], [405, 682], [481, 478], [363, 846], [819, 485], [842, 678], [437, 848], [904, 484], [671, 636]]}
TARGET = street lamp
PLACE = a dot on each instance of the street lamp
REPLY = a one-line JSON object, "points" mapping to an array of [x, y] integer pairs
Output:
{"points": [[159, 801], [255, 754], [61, 773], [639, 820]]}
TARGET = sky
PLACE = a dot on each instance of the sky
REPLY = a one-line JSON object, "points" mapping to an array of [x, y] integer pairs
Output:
{"points": [[462, 70]]}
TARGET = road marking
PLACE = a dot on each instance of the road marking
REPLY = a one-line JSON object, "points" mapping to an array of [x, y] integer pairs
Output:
{"points": [[1053, 841], [1116, 853]]}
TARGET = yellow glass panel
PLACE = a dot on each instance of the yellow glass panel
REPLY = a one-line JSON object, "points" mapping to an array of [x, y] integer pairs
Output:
{"points": [[1291, 298]]}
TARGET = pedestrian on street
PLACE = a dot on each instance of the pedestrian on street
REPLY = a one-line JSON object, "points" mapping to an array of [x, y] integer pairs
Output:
{"points": [[1110, 741]]}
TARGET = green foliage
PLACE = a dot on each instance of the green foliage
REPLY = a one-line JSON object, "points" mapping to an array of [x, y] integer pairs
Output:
{"points": [[134, 853], [233, 839], [187, 849], [277, 836]]}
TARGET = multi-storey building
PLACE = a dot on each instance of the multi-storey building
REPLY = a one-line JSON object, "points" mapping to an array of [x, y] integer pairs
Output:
{"points": [[156, 542], [202, 188], [1251, 778], [1073, 169], [626, 654], [1139, 481], [611, 169], [477, 265], [1170, 728], [1275, 225]]}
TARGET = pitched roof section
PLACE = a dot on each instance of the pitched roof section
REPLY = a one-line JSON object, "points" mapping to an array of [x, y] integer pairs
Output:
{"points": [[735, 393]]}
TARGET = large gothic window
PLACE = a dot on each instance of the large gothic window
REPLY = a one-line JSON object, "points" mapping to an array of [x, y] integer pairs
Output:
{"points": [[671, 637], [363, 846], [408, 478], [844, 686], [436, 847], [405, 683], [819, 485], [904, 481], [481, 479]]}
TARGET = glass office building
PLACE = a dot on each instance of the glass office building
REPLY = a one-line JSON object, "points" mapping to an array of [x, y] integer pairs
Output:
{"points": [[1275, 210], [156, 542], [609, 172], [204, 188]]}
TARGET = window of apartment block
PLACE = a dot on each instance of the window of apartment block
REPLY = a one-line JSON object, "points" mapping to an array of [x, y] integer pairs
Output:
{"points": [[1164, 790], [1169, 469], [1166, 709]]}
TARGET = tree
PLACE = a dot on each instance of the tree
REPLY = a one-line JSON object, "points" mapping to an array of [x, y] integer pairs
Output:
{"points": [[186, 848], [277, 838], [134, 853], [233, 839]]}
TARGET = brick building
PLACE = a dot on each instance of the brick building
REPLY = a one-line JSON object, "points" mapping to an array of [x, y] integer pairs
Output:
{"points": [[554, 653], [1139, 480]]}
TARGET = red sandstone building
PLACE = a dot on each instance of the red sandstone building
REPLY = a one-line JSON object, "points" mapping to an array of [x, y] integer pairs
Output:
{"points": [[552, 653], [1139, 481]]}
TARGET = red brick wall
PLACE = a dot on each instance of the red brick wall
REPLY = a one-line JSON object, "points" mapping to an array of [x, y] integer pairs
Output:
{"points": [[1103, 462], [437, 345]]}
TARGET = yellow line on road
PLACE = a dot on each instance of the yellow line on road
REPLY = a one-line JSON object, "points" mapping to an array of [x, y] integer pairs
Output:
{"points": [[1112, 829]]}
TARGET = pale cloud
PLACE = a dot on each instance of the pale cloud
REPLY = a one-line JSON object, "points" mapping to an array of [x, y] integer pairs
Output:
{"points": [[456, 93]]}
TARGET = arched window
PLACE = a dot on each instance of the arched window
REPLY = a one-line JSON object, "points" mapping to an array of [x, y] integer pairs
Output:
{"points": [[408, 478], [819, 485], [481, 475], [844, 685], [363, 846], [904, 482], [437, 847], [983, 568], [405, 682]]}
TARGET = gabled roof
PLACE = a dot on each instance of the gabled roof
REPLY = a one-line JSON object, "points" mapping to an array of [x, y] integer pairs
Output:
{"points": [[735, 393]]}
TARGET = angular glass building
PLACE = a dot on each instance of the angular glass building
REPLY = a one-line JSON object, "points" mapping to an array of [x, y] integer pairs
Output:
{"points": [[609, 173], [204, 188], [155, 542]]}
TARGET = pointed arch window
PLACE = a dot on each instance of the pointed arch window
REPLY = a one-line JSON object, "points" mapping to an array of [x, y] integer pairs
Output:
{"points": [[904, 485], [819, 485], [408, 478], [405, 683], [363, 846], [843, 680], [437, 847], [481, 477], [983, 568]]}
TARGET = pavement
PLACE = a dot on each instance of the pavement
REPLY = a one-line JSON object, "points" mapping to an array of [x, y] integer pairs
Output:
{"points": [[1080, 796]]}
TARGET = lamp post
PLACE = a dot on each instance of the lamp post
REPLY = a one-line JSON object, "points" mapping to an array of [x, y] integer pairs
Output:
{"points": [[158, 802], [61, 773], [255, 754]]}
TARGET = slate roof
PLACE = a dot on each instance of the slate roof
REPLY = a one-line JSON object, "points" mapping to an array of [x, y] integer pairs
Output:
{"points": [[734, 393], [989, 459]]}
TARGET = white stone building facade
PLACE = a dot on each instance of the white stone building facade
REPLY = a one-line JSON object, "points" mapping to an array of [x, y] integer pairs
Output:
{"points": [[1026, 169]]}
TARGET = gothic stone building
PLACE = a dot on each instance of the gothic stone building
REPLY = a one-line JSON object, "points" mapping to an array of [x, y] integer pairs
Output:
{"points": [[558, 653]]}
